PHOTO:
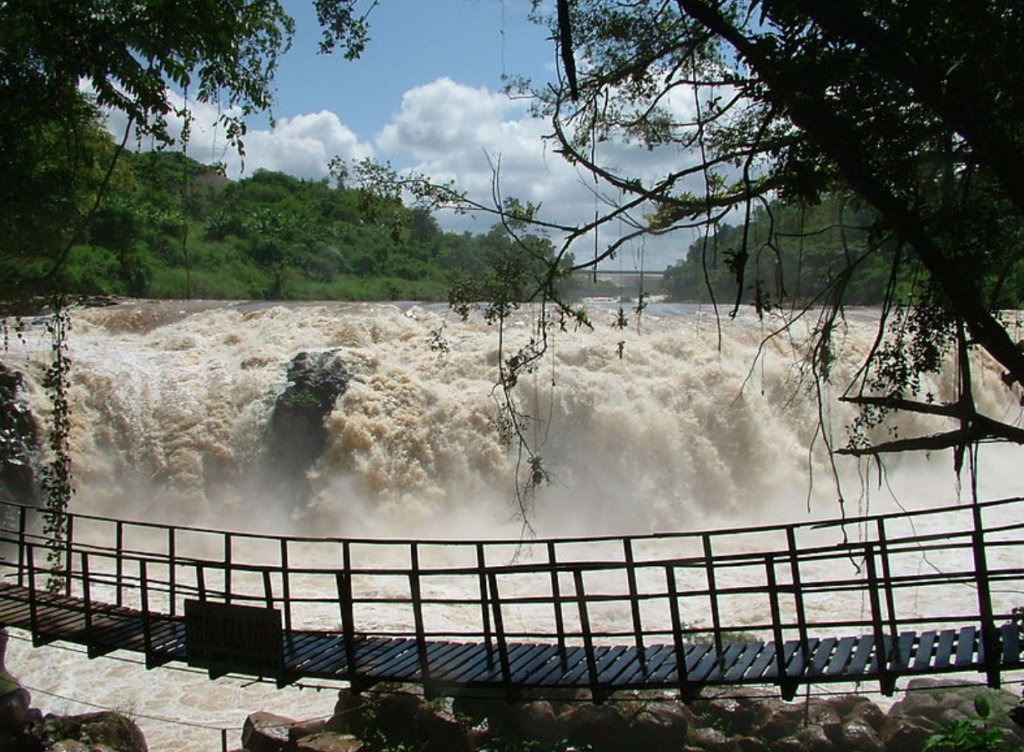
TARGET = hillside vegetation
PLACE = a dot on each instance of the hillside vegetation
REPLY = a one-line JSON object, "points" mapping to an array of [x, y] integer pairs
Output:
{"points": [[171, 227]]}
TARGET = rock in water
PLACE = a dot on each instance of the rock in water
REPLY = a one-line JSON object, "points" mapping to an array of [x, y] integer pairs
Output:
{"points": [[104, 730], [266, 732], [19, 442], [298, 431]]}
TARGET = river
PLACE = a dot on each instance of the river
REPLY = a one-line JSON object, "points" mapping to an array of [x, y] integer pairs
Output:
{"points": [[679, 421]]}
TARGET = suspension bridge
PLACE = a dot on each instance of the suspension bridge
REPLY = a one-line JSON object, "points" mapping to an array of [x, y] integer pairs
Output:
{"points": [[872, 599]]}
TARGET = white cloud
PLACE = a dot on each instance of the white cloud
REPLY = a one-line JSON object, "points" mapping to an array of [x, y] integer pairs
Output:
{"points": [[455, 132], [301, 146], [447, 131]]}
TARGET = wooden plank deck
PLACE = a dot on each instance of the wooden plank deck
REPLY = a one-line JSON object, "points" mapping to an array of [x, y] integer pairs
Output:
{"points": [[535, 667]]}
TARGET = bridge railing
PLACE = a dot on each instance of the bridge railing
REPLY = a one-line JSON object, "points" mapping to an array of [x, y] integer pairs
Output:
{"points": [[877, 575]]}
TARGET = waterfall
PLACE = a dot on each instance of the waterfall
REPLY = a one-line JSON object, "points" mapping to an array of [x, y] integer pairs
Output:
{"points": [[678, 428], [672, 429]]}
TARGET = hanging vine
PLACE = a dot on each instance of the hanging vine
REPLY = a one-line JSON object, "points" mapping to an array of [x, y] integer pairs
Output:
{"points": [[56, 475]]}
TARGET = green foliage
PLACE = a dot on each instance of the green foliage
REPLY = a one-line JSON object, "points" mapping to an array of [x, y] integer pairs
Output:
{"points": [[131, 55], [968, 735], [869, 152], [54, 163], [60, 63], [172, 227], [796, 256], [56, 475]]}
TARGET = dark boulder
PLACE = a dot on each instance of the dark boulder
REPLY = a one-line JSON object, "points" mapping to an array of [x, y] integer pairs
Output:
{"points": [[328, 742], [105, 730], [19, 442], [298, 431], [266, 732]]}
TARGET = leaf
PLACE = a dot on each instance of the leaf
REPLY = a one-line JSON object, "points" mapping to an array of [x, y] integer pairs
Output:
{"points": [[981, 706]]}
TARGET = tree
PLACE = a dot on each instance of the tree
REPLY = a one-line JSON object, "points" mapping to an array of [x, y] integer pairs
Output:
{"points": [[150, 62], [911, 109], [59, 63]]}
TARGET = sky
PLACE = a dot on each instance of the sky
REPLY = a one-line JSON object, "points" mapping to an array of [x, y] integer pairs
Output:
{"points": [[427, 95]]}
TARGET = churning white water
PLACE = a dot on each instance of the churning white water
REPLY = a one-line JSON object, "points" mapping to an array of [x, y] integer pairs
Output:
{"points": [[663, 425]]}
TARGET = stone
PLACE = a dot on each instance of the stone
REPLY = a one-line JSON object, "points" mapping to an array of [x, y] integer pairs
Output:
{"points": [[14, 709], [906, 734], [784, 722], [306, 728], [68, 745], [814, 738], [405, 718], [395, 714], [750, 744], [658, 726], [494, 709], [868, 713], [917, 705], [532, 720], [858, 736], [297, 428], [105, 730], [349, 714], [787, 744], [265, 732], [823, 715], [724, 712], [845, 705], [709, 740], [19, 442], [328, 742], [599, 727]]}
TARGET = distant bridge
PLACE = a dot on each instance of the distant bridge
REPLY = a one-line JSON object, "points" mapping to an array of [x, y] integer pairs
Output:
{"points": [[876, 598], [627, 283]]}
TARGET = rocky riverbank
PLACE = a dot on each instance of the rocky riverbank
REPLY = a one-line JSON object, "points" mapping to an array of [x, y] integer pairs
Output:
{"points": [[26, 729], [401, 718], [747, 720]]}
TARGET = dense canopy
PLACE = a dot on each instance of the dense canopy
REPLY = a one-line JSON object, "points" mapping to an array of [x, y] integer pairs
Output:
{"points": [[908, 112]]}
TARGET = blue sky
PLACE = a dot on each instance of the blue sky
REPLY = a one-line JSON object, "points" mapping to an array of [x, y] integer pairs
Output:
{"points": [[427, 95], [413, 43]]}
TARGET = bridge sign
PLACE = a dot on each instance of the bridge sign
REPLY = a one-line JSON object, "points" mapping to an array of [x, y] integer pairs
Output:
{"points": [[224, 638]]}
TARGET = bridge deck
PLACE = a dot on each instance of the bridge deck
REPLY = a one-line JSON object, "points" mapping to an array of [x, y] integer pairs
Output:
{"points": [[537, 666]]}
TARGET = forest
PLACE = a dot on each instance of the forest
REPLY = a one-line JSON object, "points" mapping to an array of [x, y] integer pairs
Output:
{"points": [[798, 254], [171, 227]]}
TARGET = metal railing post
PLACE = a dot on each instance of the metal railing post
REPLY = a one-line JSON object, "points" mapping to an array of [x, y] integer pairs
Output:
{"points": [[286, 586], [499, 634], [588, 637], [556, 596], [989, 635], [22, 532], [417, 611], [881, 654], [677, 627], [485, 606], [68, 548], [716, 615], [227, 568], [634, 598], [87, 598], [147, 627], [119, 561], [798, 594], [776, 612], [33, 606], [345, 606]]}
